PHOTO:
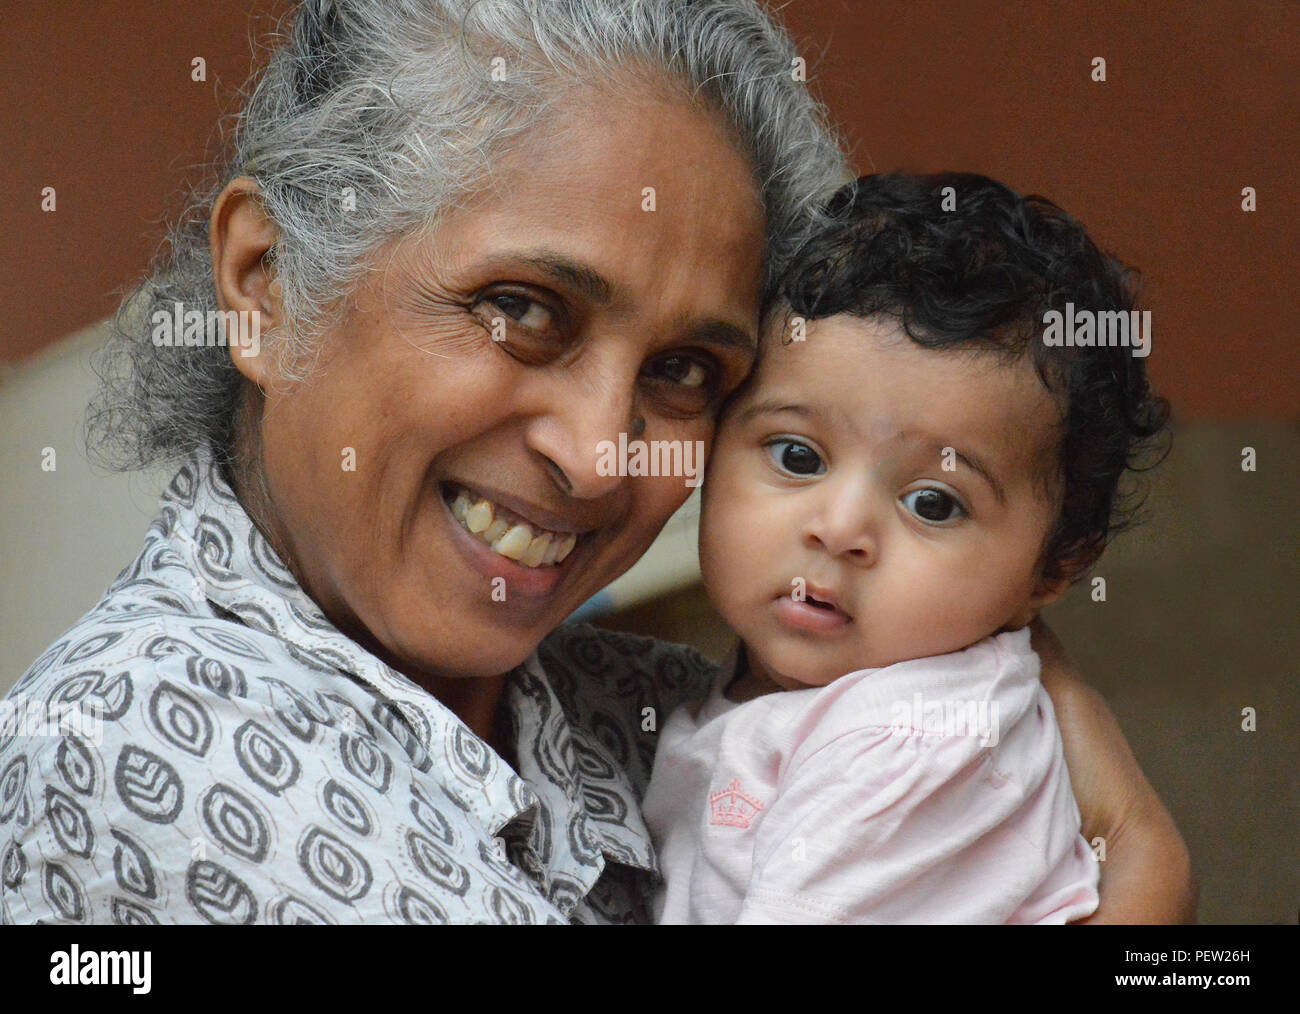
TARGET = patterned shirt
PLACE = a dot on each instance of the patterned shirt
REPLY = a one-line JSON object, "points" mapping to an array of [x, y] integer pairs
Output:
{"points": [[205, 746]]}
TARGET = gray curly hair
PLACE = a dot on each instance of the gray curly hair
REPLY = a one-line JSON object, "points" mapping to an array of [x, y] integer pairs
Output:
{"points": [[395, 99]]}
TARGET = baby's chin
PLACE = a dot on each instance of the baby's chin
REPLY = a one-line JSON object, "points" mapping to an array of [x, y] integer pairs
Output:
{"points": [[795, 664], [793, 667]]}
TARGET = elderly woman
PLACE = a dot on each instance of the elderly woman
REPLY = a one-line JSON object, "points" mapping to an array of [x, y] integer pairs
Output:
{"points": [[480, 238]]}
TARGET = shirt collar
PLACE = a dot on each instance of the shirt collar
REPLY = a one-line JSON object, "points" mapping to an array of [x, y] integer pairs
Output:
{"points": [[233, 566], [572, 761]]}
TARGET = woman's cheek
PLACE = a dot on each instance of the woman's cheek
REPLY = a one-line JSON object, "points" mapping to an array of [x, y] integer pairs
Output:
{"points": [[663, 497]]}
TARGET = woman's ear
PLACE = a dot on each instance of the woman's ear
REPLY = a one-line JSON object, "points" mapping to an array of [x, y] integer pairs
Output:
{"points": [[241, 238]]}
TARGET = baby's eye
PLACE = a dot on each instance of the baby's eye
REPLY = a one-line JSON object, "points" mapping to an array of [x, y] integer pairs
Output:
{"points": [[795, 457], [934, 506]]}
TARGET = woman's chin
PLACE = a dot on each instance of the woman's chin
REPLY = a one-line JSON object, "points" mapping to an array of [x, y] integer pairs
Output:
{"points": [[463, 648]]}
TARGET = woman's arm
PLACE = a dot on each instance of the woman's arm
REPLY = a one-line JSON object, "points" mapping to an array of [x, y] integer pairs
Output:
{"points": [[1147, 875]]}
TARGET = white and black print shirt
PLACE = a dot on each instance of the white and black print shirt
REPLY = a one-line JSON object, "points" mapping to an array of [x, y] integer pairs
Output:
{"points": [[238, 760]]}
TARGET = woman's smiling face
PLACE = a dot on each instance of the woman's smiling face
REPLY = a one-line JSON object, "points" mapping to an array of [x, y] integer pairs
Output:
{"points": [[492, 356]]}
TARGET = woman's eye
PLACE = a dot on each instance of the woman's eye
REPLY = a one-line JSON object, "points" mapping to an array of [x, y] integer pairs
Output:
{"points": [[684, 385], [683, 371], [933, 505], [531, 330], [795, 457], [528, 312]]}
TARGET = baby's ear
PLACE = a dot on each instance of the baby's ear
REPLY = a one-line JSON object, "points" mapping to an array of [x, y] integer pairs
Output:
{"points": [[1045, 594], [1052, 582], [1055, 580]]}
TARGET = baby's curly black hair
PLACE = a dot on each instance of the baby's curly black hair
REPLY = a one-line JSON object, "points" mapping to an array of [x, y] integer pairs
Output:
{"points": [[982, 276]]}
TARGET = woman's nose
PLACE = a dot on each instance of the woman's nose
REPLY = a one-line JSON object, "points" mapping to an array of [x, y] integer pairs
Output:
{"points": [[847, 525], [579, 439]]}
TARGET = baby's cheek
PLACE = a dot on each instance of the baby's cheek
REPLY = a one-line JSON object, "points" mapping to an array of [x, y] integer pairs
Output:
{"points": [[726, 563], [731, 539], [715, 552], [944, 608], [984, 596]]}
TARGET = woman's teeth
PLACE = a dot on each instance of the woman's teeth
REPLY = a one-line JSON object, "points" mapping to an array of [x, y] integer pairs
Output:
{"points": [[508, 535]]}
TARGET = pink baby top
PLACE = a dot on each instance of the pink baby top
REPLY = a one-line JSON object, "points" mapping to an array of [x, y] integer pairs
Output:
{"points": [[929, 791]]}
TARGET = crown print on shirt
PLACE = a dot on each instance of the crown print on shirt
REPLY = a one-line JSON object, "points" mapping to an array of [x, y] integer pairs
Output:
{"points": [[733, 806]]}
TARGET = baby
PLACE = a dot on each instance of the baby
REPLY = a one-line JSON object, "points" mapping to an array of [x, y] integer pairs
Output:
{"points": [[915, 468]]}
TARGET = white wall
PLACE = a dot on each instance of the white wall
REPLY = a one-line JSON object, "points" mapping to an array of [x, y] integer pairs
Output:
{"points": [[65, 533]]}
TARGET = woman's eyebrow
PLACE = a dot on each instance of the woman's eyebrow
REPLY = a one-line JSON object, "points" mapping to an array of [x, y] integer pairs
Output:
{"points": [[583, 277], [594, 286], [724, 334]]}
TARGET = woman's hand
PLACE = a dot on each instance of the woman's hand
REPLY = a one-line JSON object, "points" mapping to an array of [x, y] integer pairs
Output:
{"points": [[1147, 875]]}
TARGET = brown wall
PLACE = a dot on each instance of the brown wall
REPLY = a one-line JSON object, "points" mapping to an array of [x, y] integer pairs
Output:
{"points": [[99, 104], [1200, 101]]}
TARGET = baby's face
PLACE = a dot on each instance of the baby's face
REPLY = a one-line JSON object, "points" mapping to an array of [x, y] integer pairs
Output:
{"points": [[904, 491]]}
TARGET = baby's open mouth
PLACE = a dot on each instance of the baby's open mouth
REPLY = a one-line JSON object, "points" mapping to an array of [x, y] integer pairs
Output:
{"points": [[825, 605], [807, 613], [504, 532]]}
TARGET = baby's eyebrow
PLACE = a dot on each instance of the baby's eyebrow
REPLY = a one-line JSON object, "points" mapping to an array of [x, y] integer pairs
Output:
{"points": [[772, 406], [967, 458], [976, 465]]}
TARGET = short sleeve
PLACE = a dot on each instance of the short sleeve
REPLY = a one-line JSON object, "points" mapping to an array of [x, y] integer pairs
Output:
{"points": [[97, 820], [886, 826], [187, 801]]}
